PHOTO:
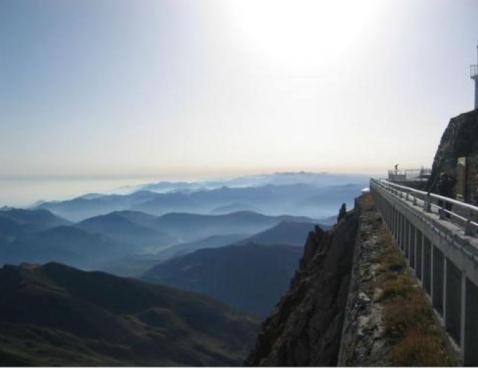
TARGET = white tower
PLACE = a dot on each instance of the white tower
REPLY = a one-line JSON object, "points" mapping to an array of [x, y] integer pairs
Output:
{"points": [[474, 76]]}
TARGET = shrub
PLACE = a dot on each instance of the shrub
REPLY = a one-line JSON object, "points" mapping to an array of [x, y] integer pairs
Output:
{"points": [[397, 287], [419, 348], [406, 314]]}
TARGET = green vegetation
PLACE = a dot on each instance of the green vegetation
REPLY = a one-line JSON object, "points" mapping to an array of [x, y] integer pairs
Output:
{"points": [[416, 336], [57, 315]]}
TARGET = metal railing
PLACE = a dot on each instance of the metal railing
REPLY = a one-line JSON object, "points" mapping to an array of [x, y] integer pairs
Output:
{"points": [[459, 213], [421, 174], [473, 71]]}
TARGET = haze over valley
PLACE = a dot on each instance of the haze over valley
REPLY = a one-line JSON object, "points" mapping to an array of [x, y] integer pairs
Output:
{"points": [[236, 228], [202, 183], [158, 219]]}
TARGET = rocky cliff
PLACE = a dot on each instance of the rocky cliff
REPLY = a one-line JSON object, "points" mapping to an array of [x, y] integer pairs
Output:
{"points": [[460, 139], [388, 319], [353, 302], [305, 327]]}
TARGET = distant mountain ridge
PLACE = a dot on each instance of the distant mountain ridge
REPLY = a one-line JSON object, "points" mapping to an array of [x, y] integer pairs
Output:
{"points": [[57, 315], [214, 241], [129, 228], [31, 220], [65, 244], [250, 277], [103, 240], [278, 178], [193, 226], [286, 232], [294, 193]]}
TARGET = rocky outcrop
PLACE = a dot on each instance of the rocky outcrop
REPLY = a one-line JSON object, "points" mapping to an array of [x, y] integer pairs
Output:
{"points": [[389, 320], [460, 139], [363, 343], [305, 327]]}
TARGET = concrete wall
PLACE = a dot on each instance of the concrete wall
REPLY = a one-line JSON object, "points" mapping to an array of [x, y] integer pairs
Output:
{"points": [[427, 265], [438, 283], [471, 327], [419, 254], [445, 262]]}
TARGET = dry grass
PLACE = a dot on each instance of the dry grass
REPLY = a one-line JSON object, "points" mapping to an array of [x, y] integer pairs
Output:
{"points": [[410, 324], [366, 202], [397, 286], [406, 313], [419, 348], [392, 261], [415, 336]]}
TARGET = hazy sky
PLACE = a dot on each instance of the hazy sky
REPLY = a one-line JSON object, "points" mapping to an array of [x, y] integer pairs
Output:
{"points": [[194, 88]]}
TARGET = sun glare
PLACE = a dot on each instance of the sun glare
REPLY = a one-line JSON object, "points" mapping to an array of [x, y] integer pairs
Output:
{"points": [[301, 35]]}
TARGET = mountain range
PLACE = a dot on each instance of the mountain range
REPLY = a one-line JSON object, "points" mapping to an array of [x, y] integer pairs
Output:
{"points": [[318, 179], [202, 238], [129, 227], [251, 277], [98, 242], [57, 315], [286, 232], [15, 220], [299, 194]]}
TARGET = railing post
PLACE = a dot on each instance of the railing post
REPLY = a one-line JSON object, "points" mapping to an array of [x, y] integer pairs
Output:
{"points": [[427, 206], [445, 280], [463, 314], [414, 200], [468, 226], [441, 213]]}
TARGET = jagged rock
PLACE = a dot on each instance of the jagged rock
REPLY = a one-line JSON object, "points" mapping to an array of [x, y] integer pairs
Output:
{"points": [[362, 339], [305, 327], [377, 295], [342, 212], [364, 297], [459, 139]]}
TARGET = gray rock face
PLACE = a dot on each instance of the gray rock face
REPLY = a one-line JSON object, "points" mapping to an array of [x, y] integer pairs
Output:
{"points": [[305, 327], [460, 139], [363, 343]]}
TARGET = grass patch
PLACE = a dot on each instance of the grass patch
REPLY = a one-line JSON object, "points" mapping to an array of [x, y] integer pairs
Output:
{"points": [[409, 323], [406, 313], [420, 348], [411, 326], [391, 259], [367, 202], [397, 286], [415, 336]]}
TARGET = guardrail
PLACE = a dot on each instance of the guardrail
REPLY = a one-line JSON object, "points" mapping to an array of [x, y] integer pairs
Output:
{"points": [[439, 239], [412, 173], [462, 214]]}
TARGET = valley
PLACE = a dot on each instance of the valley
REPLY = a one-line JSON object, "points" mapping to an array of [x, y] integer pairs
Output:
{"points": [[221, 264]]}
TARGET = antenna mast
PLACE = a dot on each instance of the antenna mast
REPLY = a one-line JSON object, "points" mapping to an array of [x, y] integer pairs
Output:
{"points": [[474, 76]]}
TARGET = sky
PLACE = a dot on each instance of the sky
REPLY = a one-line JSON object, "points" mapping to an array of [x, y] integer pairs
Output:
{"points": [[176, 88]]}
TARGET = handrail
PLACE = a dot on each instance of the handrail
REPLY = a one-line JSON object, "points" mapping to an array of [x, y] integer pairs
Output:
{"points": [[433, 195], [403, 175], [463, 214]]}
